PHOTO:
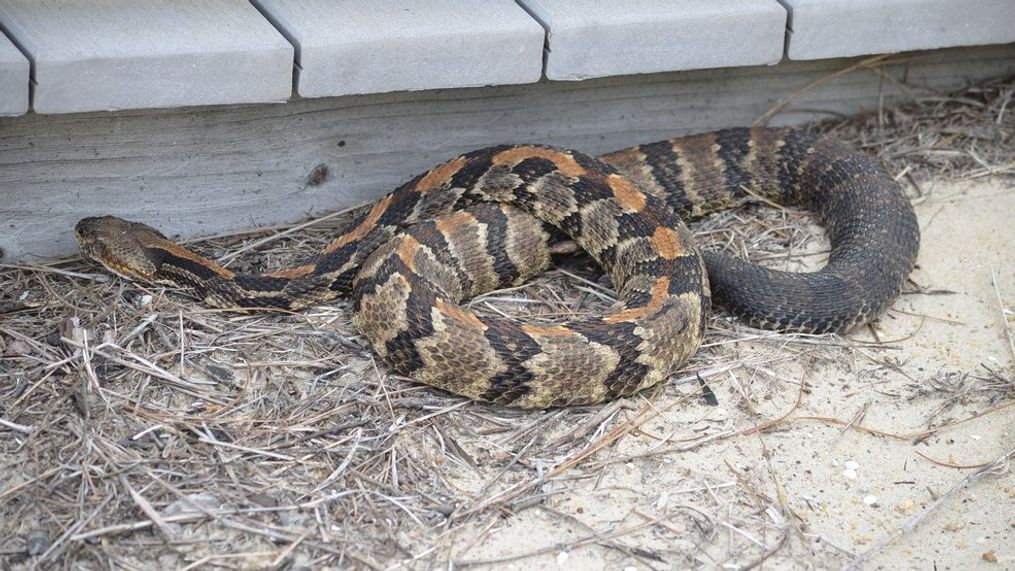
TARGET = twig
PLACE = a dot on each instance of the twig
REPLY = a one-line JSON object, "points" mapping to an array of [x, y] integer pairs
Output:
{"points": [[582, 542], [99, 277], [997, 467], [1004, 316], [607, 439], [950, 464], [784, 101], [224, 260], [15, 426]]}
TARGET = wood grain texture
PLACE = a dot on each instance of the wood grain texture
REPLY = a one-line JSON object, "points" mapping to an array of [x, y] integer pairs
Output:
{"points": [[202, 171], [13, 79], [92, 55], [345, 48]]}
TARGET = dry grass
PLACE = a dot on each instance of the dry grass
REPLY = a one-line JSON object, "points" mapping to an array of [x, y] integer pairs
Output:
{"points": [[966, 135], [140, 430]]}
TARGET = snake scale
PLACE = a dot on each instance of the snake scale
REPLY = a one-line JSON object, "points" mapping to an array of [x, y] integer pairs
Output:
{"points": [[486, 220]]}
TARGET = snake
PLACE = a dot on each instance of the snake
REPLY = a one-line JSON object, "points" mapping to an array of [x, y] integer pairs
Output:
{"points": [[489, 219]]}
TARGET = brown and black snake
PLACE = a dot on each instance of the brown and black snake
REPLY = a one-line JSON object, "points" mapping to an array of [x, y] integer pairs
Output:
{"points": [[486, 220]]}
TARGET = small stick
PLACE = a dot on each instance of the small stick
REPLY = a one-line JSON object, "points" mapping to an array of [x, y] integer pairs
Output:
{"points": [[146, 508], [1004, 316], [998, 466], [15, 426], [950, 464], [581, 542], [783, 102], [99, 277], [230, 256]]}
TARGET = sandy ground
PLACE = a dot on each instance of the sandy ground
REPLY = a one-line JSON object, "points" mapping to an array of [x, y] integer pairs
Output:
{"points": [[202, 439], [836, 492]]}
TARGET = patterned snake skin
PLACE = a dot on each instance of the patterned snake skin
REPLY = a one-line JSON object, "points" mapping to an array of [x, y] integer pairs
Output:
{"points": [[486, 220]]}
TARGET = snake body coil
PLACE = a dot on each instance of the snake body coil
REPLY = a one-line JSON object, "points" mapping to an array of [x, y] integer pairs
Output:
{"points": [[484, 220]]}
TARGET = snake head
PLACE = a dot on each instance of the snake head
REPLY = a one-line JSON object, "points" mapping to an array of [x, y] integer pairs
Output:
{"points": [[121, 246]]}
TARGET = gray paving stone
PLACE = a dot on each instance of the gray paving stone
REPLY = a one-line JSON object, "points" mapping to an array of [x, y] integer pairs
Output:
{"points": [[387, 45], [122, 54], [596, 38], [836, 28], [13, 79]]}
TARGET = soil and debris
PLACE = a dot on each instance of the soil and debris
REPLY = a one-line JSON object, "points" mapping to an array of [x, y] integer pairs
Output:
{"points": [[139, 429]]}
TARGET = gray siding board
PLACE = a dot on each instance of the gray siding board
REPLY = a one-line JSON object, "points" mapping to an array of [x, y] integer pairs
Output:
{"points": [[95, 55], [208, 170], [838, 28], [380, 46], [14, 78], [599, 38]]}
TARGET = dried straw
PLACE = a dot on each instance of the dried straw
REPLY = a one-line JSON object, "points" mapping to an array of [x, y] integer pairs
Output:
{"points": [[139, 430]]}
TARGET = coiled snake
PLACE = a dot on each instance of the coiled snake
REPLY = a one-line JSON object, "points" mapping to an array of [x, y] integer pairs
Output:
{"points": [[485, 220]]}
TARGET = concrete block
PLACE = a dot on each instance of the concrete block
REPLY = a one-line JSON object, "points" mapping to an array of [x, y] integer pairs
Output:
{"points": [[838, 28], [13, 79], [121, 54], [393, 45], [596, 38]]}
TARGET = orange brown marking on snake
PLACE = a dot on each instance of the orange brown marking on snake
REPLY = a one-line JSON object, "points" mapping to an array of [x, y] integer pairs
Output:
{"points": [[455, 311], [364, 227], [622, 208], [181, 252], [626, 193], [658, 297], [440, 175], [667, 242], [455, 221], [547, 330], [565, 163], [406, 251], [294, 272]]}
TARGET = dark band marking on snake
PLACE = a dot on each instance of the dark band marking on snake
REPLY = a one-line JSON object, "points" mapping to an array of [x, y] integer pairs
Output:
{"points": [[485, 220]]}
